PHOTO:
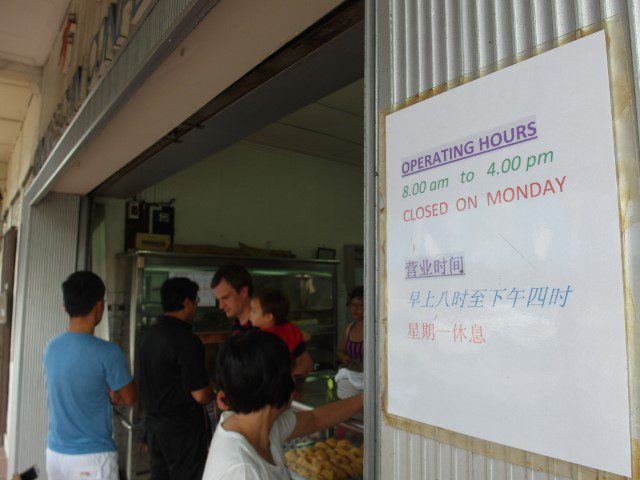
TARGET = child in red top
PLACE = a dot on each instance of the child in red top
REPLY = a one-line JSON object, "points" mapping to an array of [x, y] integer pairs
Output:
{"points": [[269, 310]]}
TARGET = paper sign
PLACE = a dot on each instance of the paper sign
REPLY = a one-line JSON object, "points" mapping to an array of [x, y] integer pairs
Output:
{"points": [[504, 272], [203, 279]]}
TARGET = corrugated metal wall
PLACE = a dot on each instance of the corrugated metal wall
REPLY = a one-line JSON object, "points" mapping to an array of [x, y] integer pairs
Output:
{"points": [[433, 41], [420, 44], [49, 233]]}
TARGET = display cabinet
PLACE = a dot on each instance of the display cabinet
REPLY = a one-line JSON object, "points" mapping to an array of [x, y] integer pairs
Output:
{"points": [[310, 285]]}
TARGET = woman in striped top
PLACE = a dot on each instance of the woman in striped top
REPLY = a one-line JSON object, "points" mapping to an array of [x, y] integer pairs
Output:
{"points": [[351, 347]]}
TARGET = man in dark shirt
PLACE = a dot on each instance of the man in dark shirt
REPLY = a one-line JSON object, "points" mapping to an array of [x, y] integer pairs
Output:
{"points": [[233, 288], [175, 387]]}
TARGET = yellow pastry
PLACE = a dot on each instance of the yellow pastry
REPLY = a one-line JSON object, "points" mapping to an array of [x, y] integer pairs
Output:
{"points": [[341, 473], [354, 454], [339, 459], [344, 444], [323, 455], [328, 474], [303, 472]]}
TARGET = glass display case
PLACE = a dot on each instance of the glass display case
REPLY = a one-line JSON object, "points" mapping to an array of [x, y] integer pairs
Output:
{"points": [[310, 286]]}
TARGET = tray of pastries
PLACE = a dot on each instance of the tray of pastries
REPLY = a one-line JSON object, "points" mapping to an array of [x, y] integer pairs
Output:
{"points": [[331, 459]]}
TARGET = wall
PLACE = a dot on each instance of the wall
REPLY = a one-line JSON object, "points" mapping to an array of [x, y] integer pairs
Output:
{"points": [[107, 241], [266, 197], [419, 45]]}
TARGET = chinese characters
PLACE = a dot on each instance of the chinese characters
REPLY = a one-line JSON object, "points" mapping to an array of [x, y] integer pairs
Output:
{"points": [[514, 297], [457, 333], [442, 266]]}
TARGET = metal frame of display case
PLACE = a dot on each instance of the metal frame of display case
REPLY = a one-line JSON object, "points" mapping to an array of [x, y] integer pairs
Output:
{"points": [[128, 310]]}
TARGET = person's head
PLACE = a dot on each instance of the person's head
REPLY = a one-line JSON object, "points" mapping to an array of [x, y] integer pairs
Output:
{"points": [[269, 307], [179, 297], [355, 302], [83, 294], [233, 288], [254, 371]]}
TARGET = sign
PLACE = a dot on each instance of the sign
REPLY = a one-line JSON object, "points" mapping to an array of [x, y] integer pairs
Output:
{"points": [[504, 272], [203, 279], [120, 16], [68, 39]]}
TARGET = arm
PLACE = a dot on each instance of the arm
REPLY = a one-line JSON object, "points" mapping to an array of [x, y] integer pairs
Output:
{"points": [[194, 376], [342, 345], [326, 416], [303, 364], [125, 397], [121, 387], [306, 336], [203, 395]]}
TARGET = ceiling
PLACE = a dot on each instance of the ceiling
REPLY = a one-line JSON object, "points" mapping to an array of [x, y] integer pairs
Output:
{"points": [[27, 30], [331, 128], [15, 96]]}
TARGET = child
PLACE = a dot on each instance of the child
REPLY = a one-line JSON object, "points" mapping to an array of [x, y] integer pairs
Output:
{"points": [[253, 371], [269, 310]]}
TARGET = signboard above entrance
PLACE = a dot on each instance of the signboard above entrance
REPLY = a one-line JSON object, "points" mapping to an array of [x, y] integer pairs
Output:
{"points": [[505, 303], [118, 19]]}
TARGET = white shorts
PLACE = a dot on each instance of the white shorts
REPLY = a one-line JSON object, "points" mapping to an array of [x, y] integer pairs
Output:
{"points": [[102, 466]]}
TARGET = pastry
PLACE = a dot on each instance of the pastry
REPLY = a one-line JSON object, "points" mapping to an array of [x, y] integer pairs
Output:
{"points": [[329, 460]]}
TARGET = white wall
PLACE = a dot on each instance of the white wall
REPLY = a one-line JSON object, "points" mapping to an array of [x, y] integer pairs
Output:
{"points": [[266, 197], [107, 240]]}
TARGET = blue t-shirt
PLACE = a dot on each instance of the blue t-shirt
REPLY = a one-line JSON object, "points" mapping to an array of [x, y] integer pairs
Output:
{"points": [[79, 368]]}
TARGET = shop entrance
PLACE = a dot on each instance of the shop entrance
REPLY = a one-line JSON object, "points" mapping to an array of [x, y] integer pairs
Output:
{"points": [[270, 176]]}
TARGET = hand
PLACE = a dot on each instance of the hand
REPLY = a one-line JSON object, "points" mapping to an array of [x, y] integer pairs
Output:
{"points": [[114, 398]]}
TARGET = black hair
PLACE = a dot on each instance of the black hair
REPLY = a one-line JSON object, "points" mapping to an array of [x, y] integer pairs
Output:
{"points": [[253, 370], [274, 302], [235, 275], [175, 290], [356, 292], [81, 291]]}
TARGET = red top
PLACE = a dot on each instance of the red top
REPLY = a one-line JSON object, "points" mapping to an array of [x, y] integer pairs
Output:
{"points": [[291, 335]]}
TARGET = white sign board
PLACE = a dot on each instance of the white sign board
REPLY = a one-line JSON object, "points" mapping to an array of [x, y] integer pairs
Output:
{"points": [[504, 272], [203, 279]]}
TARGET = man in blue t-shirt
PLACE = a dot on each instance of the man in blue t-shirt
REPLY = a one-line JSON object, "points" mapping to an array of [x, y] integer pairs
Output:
{"points": [[85, 376]]}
